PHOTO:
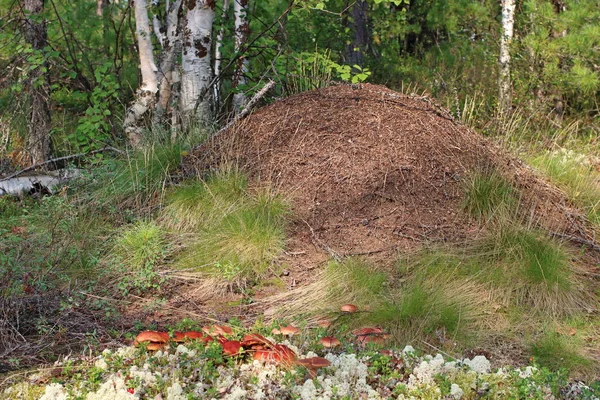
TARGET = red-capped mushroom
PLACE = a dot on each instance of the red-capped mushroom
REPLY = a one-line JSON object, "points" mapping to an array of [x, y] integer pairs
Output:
{"points": [[179, 337], [368, 331], [349, 308], [370, 335], [289, 330], [329, 342], [153, 346], [253, 340], [313, 364], [363, 340], [279, 354], [324, 323], [231, 347], [217, 330], [152, 336]]}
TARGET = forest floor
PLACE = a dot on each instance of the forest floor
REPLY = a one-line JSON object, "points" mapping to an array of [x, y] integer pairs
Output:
{"points": [[349, 194]]}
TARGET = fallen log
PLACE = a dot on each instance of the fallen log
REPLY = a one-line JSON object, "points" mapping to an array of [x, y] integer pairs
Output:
{"points": [[45, 183]]}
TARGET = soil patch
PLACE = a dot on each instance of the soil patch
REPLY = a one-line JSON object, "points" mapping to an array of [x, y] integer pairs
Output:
{"points": [[370, 171]]}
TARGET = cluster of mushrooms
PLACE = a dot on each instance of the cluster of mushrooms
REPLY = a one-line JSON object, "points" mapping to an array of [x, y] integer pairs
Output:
{"points": [[259, 347]]}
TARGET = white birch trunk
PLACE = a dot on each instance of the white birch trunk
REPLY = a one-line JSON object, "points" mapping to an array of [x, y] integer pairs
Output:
{"points": [[166, 77], [145, 95], [242, 29], [504, 81], [218, 55], [196, 69]]}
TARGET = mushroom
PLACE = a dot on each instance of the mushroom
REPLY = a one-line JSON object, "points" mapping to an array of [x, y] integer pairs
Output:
{"points": [[329, 342], [349, 308], [254, 340], [217, 330], [279, 354], [313, 364], [231, 347], [324, 323], [368, 331], [151, 336], [289, 330], [370, 335], [154, 346]]}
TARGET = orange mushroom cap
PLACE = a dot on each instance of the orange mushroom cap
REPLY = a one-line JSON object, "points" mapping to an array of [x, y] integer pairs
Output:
{"points": [[231, 347], [217, 330], [152, 336], [280, 354], [349, 308], [324, 323], [329, 341], [368, 331], [313, 363], [154, 346], [254, 339], [289, 330]]}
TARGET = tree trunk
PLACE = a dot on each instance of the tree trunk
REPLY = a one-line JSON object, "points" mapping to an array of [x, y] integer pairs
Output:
{"points": [[356, 49], [196, 69], [218, 55], [145, 95], [504, 81], [171, 44], [38, 141], [100, 6], [242, 30]]}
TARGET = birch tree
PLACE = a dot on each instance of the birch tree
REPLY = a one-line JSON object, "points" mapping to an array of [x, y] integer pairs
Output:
{"points": [[504, 81], [196, 69], [171, 44], [145, 95], [242, 30]]}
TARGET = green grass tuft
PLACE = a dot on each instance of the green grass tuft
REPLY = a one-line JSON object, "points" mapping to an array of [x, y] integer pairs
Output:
{"points": [[556, 352], [141, 245], [198, 204], [528, 268], [576, 176], [234, 234], [136, 180], [488, 195]]}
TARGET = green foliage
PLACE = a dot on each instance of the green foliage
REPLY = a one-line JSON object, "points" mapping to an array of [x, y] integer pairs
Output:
{"points": [[140, 246], [238, 235], [576, 176], [538, 261], [138, 178], [489, 196], [519, 267], [559, 352], [94, 128], [559, 49]]}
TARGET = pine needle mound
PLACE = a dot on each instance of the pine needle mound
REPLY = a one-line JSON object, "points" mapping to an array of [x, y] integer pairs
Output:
{"points": [[370, 171]]}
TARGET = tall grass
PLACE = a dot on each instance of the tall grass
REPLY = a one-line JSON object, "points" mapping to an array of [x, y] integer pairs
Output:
{"points": [[488, 196], [560, 352], [573, 173], [137, 179], [418, 306], [232, 233]]}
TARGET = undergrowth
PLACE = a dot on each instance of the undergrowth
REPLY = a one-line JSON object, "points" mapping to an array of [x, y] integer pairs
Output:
{"points": [[234, 234], [573, 173]]}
